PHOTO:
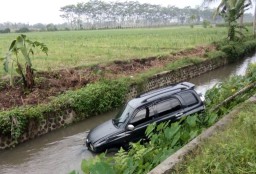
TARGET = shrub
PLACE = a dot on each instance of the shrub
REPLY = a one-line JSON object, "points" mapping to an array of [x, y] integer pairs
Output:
{"points": [[234, 50], [166, 139], [216, 54], [98, 98], [7, 30], [90, 100], [206, 23], [51, 27], [23, 30]]}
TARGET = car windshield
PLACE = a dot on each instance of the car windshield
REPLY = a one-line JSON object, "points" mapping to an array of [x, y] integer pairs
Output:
{"points": [[122, 116]]}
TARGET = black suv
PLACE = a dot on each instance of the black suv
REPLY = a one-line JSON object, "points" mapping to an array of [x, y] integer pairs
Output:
{"points": [[164, 104]]}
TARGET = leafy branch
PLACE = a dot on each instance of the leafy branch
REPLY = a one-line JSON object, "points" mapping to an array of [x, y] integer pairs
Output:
{"points": [[25, 47]]}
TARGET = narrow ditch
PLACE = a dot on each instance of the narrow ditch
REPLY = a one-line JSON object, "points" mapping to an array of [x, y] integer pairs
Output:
{"points": [[62, 150]]}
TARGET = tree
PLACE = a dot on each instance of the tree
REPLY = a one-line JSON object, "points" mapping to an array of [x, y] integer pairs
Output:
{"points": [[192, 20], [23, 30], [231, 11], [100, 14], [254, 21], [51, 27], [25, 47], [242, 16], [6, 30]]}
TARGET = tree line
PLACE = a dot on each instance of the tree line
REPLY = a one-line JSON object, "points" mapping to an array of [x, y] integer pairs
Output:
{"points": [[100, 14], [97, 14]]}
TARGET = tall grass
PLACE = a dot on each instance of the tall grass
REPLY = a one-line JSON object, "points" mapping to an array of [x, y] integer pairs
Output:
{"points": [[230, 151], [83, 48]]}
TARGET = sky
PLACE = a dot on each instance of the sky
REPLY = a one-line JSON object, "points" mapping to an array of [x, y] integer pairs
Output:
{"points": [[47, 11]]}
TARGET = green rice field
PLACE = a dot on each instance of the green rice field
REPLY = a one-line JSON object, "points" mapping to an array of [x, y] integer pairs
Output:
{"points": [[83, 48]]}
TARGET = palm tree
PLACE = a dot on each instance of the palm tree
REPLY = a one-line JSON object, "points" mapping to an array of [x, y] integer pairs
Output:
{"points": [[231, 11], [254, 21]]}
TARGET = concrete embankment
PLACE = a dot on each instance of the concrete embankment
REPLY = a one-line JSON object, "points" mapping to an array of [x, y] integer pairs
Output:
{"points": [[53, 121], [168, 165]]}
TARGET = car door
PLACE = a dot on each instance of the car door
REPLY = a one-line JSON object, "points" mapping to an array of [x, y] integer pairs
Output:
{"points": [[140, 120], [169, 109]]}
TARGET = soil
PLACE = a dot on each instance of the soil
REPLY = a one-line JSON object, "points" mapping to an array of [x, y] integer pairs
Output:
{"points": [[50, 84]]}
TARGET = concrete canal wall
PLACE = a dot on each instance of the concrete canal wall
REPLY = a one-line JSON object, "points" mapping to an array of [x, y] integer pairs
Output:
{"points": [[55, 120], [178, 75]]}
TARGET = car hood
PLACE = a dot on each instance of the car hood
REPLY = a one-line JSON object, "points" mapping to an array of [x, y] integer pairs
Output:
{"points": [[105, 129]]}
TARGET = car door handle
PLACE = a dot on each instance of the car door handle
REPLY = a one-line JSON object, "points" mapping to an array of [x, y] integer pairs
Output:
{"points": [[178, 115]]}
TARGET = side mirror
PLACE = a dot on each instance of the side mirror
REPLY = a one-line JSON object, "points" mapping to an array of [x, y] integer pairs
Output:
{"points": [[130, 127], [202, 97]]}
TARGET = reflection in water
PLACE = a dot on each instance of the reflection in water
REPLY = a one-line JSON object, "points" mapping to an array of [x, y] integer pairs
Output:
{"points": [[208, 80], [62, 150], [55, 157]]}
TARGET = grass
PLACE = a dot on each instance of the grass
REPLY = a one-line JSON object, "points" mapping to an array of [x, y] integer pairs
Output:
{"points": [[83, 48], [230, 151], [170, 66]]}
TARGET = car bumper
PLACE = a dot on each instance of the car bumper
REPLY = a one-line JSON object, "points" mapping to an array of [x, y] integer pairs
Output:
{"points": [[92, 148]]}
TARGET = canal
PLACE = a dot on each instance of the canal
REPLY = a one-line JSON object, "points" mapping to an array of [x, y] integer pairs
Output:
{"points": [[62, 150]]}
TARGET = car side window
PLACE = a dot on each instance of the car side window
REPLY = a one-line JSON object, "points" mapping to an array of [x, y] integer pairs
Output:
{"points": [[143, 115], [168, 106], [139, 115], [189, 98]]}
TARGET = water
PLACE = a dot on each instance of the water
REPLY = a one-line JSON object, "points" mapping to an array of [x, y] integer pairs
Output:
{"points": [[208, 80], [61, 151]]}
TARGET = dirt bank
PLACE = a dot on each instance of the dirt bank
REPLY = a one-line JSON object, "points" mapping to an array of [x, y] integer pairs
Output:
{"points": [[50, 84]]}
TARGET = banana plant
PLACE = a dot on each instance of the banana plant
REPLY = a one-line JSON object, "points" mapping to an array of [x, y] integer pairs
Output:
{"points": [[231, 11], [24, 47]]}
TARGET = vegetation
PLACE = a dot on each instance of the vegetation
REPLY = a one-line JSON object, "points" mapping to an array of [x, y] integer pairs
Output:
{"points": [[100, 14], [90, 100], [165, 139], [229, 151], [231, 11], [6, 30], [23, 30], [206, 24], [235, 50], [96, 14], [83, 48], [25, 47]]}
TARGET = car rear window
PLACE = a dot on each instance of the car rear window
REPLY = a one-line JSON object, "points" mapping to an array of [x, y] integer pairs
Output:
{"points": [[189, 98]]}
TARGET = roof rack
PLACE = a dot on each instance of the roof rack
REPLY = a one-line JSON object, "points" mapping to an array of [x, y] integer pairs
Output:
{"points": [[159, 95], [188, 85], [183, 85], [155, 91]]}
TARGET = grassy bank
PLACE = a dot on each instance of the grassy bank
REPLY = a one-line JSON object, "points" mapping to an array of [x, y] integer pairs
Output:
{"points": [[82, 48], [92, 99], [167, 139], [230, 151]]}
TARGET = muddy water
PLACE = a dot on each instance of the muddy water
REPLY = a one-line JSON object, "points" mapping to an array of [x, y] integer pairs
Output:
{"points": [[62, 151], [208, 80]]}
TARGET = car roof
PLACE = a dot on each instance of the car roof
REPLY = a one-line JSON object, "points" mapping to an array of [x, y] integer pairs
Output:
{"points": [[159, 93]]}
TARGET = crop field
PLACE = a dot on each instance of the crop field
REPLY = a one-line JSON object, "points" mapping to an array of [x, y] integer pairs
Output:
{"points": [[83, 48]]}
